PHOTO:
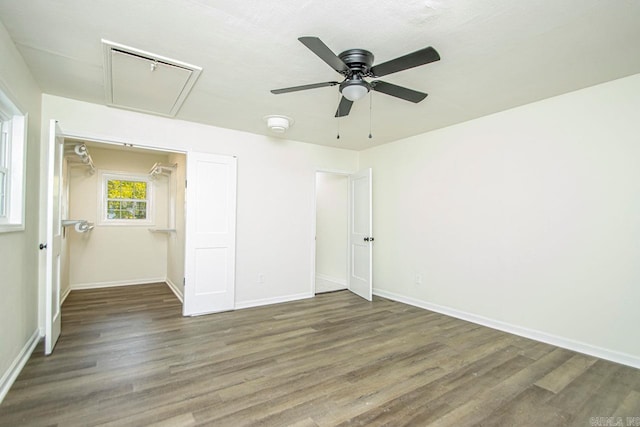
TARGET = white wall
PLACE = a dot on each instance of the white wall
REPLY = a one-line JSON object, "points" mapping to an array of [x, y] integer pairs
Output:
{"points": [[175, 249], [19, 254], [528, 219], [332, 210], [112, 255], [275, 189]]}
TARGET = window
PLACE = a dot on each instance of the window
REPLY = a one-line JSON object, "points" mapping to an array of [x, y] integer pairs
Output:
{"points": [[12, 161], [126, 199], [5, 126]]}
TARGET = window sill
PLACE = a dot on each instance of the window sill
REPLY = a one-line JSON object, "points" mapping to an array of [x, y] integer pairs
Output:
{"points": [[11, 228]]}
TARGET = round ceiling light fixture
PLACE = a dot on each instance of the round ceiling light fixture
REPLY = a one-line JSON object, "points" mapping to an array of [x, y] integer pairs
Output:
{"points": [[278, 124], [354, 88]]}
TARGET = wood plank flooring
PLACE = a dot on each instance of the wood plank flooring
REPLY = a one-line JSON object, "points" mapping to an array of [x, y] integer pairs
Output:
{"points": [[127, 357]]}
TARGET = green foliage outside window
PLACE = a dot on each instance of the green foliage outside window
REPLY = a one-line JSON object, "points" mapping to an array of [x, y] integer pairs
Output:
{"points": [[126, 199]]}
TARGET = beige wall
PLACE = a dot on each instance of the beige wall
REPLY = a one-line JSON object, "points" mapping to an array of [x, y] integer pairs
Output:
{"points": [[19, 254], [528, 218], [111, 255]]}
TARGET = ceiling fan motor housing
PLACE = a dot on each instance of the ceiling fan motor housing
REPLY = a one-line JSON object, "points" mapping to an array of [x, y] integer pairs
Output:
{"points": [[359, 61]]}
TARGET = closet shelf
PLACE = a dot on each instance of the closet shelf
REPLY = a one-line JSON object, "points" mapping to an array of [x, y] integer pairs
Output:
{"points": [[162, 230]]}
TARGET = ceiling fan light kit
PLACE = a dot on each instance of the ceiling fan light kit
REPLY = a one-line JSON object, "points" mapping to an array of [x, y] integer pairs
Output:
{"points": [[278, 124], [354, 89], [356, 65]]}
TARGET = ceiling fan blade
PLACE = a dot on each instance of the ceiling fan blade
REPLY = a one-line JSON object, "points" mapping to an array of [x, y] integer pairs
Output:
{"points": [[344, 107], [415, 59], [398, 91], [319, 48], [303, 87]]}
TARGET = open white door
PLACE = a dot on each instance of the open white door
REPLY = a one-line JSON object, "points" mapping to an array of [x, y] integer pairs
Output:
{"points": [[210, 247], [54, 237], [360, 235]]}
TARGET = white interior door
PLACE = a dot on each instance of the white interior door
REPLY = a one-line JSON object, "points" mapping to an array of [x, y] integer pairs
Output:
{"points": [[210, 234], [360, 234], [54, 237]]}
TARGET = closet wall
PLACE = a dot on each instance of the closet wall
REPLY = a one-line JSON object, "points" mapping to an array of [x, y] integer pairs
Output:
{"points": [[175, 241], [112, 255]]}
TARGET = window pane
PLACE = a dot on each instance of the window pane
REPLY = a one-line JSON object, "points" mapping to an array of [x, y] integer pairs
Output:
{"points": [[141, 210], [3, 193], [140, 190], [4, 144], [112, 208], [126, 189], [119, 189], [113, 189]]}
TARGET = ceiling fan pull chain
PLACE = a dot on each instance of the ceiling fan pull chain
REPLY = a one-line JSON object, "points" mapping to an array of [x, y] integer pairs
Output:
{"points": [[370, 109], [338, 135]]}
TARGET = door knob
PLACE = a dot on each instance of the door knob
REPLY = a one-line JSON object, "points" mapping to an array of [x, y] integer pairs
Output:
{"points": [[43, 246], [366, 239]]}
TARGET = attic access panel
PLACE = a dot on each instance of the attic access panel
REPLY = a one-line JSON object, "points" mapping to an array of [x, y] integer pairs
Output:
{"points": [[142, 81]]}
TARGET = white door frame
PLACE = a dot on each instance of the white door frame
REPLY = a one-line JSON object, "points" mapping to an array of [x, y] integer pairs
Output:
{"points": [[313, 221]]}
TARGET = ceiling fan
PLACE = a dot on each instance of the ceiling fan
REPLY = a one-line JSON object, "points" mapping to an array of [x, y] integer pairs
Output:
{"points": [[356, 64]]}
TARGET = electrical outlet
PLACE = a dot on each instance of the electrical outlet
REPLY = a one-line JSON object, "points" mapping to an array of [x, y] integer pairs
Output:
{"points": [[418, 279], [260, 278]]}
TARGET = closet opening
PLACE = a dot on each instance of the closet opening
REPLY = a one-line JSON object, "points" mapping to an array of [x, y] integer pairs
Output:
{"points": [[123, 211]]}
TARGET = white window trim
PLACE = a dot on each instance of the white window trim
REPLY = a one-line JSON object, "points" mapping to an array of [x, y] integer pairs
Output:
{"points": [[103, 177], [13, 220], [5, 158]]}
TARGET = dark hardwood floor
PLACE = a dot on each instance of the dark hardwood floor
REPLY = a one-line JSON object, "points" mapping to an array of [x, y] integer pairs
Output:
{"points": [[127, 357]]}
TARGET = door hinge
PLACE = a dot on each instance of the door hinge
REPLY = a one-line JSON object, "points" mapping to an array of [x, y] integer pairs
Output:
{"points": [[185, 183]]}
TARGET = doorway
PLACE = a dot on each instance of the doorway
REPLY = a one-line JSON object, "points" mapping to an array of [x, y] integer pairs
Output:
{"points": [[343, 198], [332, 231]]}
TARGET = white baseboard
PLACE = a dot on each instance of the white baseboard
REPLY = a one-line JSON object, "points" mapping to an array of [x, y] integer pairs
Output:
{"points": [[65, 295], [326, 283], [77, 286], [269, 301], [569, 344], [175, 289], [9, 377]]}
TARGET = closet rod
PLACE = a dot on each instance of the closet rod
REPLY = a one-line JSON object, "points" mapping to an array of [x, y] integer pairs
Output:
{"points": [[80, 152], [80, 225], [162, 169]]}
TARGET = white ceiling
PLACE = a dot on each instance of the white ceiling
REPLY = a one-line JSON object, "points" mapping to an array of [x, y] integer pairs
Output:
{"points": [[496, 54]]}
